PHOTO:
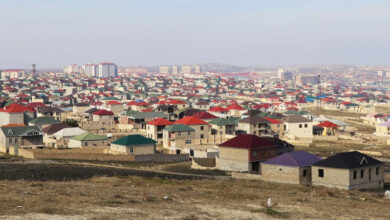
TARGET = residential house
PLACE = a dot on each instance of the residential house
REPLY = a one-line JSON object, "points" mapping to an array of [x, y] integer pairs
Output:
{"points": [[20, 137], [43, 121], [176, 137], [254, 124], [290, 167], [16, 114], [155, 128], [133, 144], [349, 170], [132, 120], [298, 128], [245, 152], [202, 128], [87, 139]]}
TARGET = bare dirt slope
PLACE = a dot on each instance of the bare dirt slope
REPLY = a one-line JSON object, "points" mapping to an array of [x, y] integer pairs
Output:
{"points": [[53, 191]]}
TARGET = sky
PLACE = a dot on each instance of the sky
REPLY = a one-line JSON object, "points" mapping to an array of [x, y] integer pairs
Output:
{"points": [[55, 33]]}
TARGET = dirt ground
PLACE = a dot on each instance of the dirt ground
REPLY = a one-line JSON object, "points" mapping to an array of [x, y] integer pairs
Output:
{"points": [[56, 190]]}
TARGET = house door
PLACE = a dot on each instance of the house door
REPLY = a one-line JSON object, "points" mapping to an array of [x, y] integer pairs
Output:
{"points": [[169, 143], [255, 167]]}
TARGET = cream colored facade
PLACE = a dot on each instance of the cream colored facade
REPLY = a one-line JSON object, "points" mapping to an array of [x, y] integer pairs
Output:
{"points": [[11, 118], [361, 178], [233, 159], [301, 129], [382, 130], [76, 143], [136, 150], [178, 140]]}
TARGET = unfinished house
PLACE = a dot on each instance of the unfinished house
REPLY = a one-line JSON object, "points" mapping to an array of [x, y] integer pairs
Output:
{"points": [[245, 152], [290, 167], [349, 170]]}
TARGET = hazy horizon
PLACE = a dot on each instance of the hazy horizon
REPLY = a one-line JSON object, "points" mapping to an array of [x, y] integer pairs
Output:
{"points": [[152, 32]]}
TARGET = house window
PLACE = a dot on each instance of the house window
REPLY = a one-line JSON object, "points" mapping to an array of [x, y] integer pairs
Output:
{"points": [[354, 175], [300, 125], [254, 153], [201, 136], [188, 133], [320, 172], [201, 128], [361, 173], [10, 140], [305, 125], [178, 133], [304, 173], [16, 140], [131, 150], [377, 171], [86, 143], [188, 141]]}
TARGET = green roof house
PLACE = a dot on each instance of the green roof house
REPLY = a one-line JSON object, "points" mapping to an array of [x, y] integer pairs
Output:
{"points": [[133, 144], [20, 136], [87, 139]]}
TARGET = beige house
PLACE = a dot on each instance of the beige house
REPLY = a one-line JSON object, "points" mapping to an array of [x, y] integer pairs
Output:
{"points": [[254, 125], [115, 106], [298, 128], [349, 170], [201, 128], [133, 144], [245, 152], [178, 136], [290, 167], [87, 139], [154, 129], [383, 129], [21, 137], [79, 108]]}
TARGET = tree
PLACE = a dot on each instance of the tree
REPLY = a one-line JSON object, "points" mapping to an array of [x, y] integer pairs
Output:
{"points": [[71, 122]]}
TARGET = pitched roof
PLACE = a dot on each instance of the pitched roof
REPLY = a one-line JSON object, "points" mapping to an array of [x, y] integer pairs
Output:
{"points": [[224, 121], [103, 112], [140, 115], [88, 136], [16, 108], [191, 120], [160, 121], [18, 131], [113, 102], [218, 109], [68, 132], [178, 128], [295, 119], [294, 159], [273, 121], [47, 109], [53, 128], [348, 160], [44, 120], [204, 115], [132, 140], [327, 124], [235, 107], [248, 141], [254, 119]]}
